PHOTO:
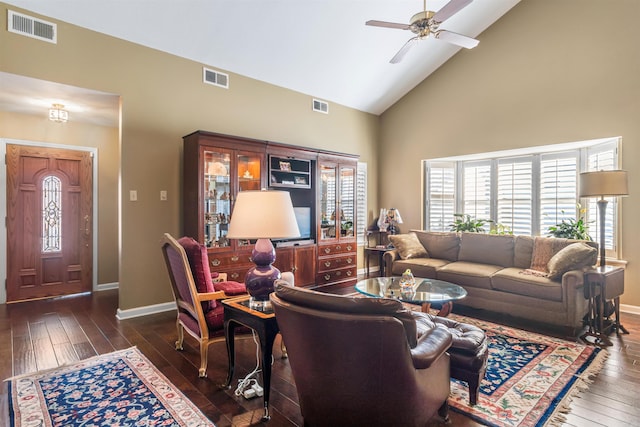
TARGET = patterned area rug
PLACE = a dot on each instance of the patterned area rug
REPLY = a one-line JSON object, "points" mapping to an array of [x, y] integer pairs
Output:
{"points": [[115, 389], [530, 378]]}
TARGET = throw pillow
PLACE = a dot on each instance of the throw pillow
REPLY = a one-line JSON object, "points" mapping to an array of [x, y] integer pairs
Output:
{"points": [[543, 249], [408, 246], [199, 263], [573, 257]]}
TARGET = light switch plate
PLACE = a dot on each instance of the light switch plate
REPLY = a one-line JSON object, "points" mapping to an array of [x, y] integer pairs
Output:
{"points": [[133, 195]]}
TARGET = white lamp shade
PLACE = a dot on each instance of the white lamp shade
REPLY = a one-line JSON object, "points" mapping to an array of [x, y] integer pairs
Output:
{"points": [[604, 183], [263, 215]]}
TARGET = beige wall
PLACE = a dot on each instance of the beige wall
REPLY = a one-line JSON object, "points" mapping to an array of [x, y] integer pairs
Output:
{"points": [[39, 129], [163, 99], [550, 71]]}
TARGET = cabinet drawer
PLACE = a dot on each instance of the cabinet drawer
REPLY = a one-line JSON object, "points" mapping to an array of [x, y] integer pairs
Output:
{"points": [[336, 248], [336, 276], [236, 274], [227, 260], [332, 263]]}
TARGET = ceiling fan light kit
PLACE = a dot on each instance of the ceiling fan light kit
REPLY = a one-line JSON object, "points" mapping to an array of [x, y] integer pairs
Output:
{"points": [[427, 22]]}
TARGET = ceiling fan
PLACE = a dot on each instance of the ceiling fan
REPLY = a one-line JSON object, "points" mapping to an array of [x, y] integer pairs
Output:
{"points": [[427, 22]]}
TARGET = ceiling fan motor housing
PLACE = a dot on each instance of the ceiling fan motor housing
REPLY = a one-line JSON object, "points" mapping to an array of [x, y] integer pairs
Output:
{"points": [[423, 24]]}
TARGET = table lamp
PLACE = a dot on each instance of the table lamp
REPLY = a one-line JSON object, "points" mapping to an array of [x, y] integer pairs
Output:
{"points": [[394, 218], [603, 184], [262, 215]]}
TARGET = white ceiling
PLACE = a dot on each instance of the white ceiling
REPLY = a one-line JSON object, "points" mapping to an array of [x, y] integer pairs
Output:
{"points": [[318, 47]]}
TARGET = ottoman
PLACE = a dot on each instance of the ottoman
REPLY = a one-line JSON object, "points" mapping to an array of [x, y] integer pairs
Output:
{"points": [[468, 352]]}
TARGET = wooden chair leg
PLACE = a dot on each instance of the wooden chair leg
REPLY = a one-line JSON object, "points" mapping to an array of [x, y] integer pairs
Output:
{"points": [[443, 411], [474, 389], [204, 358], [180, 336]]}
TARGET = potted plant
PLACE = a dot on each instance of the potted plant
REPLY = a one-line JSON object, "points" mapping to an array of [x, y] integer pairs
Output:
{"points": [[464, 222], [572, 228]]}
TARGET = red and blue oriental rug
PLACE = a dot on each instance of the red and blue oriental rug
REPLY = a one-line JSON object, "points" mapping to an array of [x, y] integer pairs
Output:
{"points": [[115, 389], [530, 378]]}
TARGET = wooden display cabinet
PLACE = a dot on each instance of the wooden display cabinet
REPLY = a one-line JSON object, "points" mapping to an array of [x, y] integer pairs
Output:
{"points": [[301, 260], [337, 248]]}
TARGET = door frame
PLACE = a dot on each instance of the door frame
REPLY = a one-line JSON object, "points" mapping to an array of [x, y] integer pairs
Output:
{"points": [[3, 206]]}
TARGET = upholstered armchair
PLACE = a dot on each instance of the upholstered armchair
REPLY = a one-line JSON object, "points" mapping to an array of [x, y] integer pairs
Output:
{"points": [[359, 361], [197, 294]]}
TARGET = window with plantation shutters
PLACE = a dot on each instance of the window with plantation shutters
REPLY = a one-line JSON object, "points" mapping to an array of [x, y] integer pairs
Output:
{"points": [[476, 182], [558, 188], [604, 157], [525, 191], [440, 185], [361, 202], [514, 194]]}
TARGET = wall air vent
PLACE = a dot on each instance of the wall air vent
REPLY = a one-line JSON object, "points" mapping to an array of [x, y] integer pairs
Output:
{"points": [[215, 78], [320, 106], [31, 27]]}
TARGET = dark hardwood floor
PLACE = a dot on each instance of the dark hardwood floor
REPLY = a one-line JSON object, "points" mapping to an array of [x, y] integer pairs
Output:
{"points": [[49, 333]]}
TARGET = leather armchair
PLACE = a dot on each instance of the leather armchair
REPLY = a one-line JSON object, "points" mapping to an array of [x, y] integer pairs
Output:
{"points": [[360, 361]]}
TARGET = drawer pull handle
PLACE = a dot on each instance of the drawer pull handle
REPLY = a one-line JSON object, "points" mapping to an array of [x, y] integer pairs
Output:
{"points": [[327, 250], [327, 264], [215, 262], [349, 247], [349, 260], [338, 248], [327, 276], [235, 275], [349, 273], [234, 258]]}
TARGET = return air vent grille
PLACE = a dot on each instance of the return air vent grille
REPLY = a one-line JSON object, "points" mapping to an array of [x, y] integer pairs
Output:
{"points": [[215, 78], [320, 106], [32, 27]]}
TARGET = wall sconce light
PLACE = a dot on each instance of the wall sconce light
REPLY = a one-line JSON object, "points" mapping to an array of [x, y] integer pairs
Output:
{"points": [[58, 114]]}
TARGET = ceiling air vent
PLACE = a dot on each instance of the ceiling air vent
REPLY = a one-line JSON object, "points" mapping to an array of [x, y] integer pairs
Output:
{"points": [[215, 78], [320, 106], [32, 27]]}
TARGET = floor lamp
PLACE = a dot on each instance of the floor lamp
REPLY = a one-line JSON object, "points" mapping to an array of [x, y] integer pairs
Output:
{"points": [[603, 184]]}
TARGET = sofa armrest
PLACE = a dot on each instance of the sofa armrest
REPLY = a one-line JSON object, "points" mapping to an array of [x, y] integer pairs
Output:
{"points": [[573, 295], [388, 259], [431, 346]]}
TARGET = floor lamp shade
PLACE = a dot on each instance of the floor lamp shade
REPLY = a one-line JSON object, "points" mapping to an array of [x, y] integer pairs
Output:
{"points": [[263, 215], [603, 184]]}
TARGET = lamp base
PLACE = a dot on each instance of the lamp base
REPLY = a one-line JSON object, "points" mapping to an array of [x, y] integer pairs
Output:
{"points": [[259, 279]]}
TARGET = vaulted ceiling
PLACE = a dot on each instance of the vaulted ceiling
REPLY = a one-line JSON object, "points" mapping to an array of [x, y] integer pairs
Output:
{"points": [[318, 47]]}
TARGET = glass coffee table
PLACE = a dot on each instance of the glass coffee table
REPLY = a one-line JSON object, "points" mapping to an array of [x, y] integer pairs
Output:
{"points": [[426, 292]]}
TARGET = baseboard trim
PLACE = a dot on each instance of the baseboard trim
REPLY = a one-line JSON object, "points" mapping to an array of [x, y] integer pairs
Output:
{"points": [[107, 286], [631, 309], [145, 311]]}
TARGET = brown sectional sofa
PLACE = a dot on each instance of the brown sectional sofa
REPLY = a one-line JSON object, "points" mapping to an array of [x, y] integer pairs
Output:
{"points": [[496, 272]]}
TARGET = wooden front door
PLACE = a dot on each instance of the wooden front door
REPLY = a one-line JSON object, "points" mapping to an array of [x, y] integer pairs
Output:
{"points": [[49, 222]]}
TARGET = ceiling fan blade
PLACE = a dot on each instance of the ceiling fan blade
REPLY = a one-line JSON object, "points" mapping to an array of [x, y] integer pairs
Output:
{"points": [[387, 24], [450, 9], [403, 50], [457, 39]]}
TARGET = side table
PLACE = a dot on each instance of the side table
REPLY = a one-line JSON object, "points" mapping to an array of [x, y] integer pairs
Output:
{"points": [[601, 285], [237, 311], [379, 251]]}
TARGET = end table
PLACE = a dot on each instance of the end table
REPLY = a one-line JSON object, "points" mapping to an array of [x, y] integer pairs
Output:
{"points": [[601, 285]]}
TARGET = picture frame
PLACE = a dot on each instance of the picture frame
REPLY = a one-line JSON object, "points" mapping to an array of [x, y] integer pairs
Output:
{"points": [[285, 166], [300, 180]]}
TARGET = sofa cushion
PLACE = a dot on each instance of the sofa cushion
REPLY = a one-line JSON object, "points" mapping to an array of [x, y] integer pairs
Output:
{"points": [[420, 267], [523, 250], [511, 280], [347, 304], [441, 245], [471, 274], [199, 263], [408, 246], [572, 257], [486, 249]]}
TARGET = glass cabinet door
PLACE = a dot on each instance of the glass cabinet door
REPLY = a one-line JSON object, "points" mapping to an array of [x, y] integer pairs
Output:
{"points": [[217, 198], [328, 176], [347, 201], [249, 172]]}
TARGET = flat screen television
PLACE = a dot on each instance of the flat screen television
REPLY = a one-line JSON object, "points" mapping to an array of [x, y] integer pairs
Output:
{"points": [[303, 217]]}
